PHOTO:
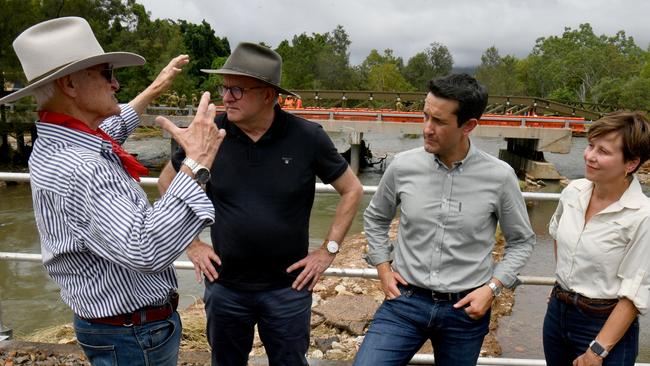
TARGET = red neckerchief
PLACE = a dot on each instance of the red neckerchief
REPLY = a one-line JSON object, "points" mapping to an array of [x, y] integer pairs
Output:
{"points": [[129, 163]]}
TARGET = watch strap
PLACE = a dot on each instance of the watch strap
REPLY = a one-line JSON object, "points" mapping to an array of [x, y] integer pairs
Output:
{"points": [[496, 290], [196, 168], [193, 165], [598, 349]]}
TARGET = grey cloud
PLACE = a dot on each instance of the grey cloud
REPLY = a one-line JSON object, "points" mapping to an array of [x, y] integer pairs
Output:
{"points": [[466, 27]]}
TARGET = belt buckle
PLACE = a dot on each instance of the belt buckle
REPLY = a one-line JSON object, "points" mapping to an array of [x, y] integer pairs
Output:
{"points": [[441, 296], [128, 320]]}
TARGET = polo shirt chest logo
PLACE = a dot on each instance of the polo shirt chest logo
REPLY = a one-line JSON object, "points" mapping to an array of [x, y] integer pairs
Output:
{"points": [[286, 160]]}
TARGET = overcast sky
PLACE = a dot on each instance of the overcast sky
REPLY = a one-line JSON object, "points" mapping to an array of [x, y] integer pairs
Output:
{"points": [[466, 27]]}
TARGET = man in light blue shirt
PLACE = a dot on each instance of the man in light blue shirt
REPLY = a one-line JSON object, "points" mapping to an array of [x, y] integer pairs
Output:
{"points": [[439, 278]]}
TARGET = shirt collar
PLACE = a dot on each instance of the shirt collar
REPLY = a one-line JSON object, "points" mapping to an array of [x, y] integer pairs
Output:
{"points": [[633, 195], [461, 163], [632, 198], [278, 126], [73, 137]]}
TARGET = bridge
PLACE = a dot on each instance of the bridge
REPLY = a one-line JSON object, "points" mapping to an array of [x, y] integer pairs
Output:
{"points": [[497, 104], [531, 125], [528, 136]]}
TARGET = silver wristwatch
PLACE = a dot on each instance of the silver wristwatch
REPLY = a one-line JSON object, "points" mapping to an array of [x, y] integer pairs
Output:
{"points": [[496, 290], [201, 173], [598, 349], [332, 247]]}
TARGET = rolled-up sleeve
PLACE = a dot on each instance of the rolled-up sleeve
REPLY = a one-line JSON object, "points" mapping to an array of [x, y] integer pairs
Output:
{"points": [[519, 235], [378, 216], [635, 267]]}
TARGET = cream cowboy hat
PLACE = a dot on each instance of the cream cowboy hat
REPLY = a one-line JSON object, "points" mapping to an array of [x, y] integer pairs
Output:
{"points": [[256, 61], [59, 47]]}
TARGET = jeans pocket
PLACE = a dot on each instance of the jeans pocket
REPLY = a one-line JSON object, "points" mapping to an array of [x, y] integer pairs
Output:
{"points": [[159, 333], [405, 291], [483, 318], [99, 355]]}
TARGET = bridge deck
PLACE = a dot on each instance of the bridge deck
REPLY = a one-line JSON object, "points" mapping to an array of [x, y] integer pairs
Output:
{"points": [[554, 133]]}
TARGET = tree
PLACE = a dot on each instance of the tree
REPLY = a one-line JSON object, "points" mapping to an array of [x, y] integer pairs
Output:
{"points": [[387, 77], [434, 62], [383, 72], [202, 46], [499, 74], [579, 59], [319, 61]]}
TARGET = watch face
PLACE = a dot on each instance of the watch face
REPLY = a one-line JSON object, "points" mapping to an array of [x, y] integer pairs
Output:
{"points": [[202, 176], [496, 290], [598, 349], [333, 247]]}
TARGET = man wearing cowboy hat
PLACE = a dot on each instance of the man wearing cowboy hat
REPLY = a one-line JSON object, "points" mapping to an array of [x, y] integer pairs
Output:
{"points": [[258, 268], [110, 251]]}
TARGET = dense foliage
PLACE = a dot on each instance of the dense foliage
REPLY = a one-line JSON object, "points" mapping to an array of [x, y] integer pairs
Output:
{"points": [[576, 66]]}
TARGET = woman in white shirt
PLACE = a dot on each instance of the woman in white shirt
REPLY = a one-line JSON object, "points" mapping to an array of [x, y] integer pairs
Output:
{"points": [[602, 247]]}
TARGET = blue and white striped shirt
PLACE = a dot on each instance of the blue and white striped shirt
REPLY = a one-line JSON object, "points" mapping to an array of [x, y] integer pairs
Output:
{"points": [[107, 247]]}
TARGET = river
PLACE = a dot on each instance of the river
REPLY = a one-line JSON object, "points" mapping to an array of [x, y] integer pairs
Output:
{"points": [[30, 301]]}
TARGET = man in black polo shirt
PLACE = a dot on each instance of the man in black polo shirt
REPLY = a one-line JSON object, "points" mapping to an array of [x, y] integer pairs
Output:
{"points": [[262, 185]]}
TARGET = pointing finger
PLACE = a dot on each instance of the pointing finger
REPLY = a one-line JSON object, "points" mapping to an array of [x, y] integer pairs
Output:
{"points": [[204, 103]]}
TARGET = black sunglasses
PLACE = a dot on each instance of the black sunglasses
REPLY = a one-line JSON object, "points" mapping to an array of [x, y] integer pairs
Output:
{"points": [[107, 73]]}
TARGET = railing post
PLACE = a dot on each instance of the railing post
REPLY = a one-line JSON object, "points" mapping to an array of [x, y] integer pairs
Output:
{"points": [[5, 333]]}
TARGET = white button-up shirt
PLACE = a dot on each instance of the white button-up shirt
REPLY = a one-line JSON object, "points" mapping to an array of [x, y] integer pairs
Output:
{"points": [[609, 256]]}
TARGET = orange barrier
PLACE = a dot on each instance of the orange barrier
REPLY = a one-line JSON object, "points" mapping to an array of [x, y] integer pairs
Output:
{"points": [[578, 125]]}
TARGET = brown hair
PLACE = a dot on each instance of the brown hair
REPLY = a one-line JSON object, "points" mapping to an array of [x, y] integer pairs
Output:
{"points": [[634, 129]]}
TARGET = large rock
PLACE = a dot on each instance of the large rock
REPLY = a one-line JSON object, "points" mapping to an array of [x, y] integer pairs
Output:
{"points": [[349, 313]]}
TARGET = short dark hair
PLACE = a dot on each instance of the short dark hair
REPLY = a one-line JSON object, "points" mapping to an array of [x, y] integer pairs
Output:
{"points": [[634, 129], [471, 96]]}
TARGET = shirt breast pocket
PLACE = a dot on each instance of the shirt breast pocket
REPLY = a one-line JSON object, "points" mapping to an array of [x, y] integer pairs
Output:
{"points": [[451, 212], [611, 240]]}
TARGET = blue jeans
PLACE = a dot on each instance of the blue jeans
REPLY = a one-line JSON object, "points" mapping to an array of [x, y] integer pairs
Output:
{"points": [[402, 325], [569, 330], [154, 343], [282, 317]]}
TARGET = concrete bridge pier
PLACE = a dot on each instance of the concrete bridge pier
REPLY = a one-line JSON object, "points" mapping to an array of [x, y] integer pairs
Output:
{"points": [[355, 151], [524, 156]]}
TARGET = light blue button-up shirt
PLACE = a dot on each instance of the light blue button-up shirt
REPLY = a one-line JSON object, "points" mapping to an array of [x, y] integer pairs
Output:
{"points": [[448, 218]]}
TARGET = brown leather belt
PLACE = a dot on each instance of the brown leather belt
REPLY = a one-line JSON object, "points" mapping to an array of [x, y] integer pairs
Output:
{"points": [[141, 316], [586, 304]]}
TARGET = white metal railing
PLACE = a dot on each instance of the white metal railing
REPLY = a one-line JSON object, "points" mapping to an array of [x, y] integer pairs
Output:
{"points": [[418, 359], [334, 272], [320, 187]]}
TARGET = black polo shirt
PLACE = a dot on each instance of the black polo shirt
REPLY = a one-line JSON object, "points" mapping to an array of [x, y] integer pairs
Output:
{"points": [[263, 193]]}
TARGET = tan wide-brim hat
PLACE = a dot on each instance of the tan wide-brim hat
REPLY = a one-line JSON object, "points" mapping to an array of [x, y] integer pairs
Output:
{"points": [[60, 47], [256, 61]]}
